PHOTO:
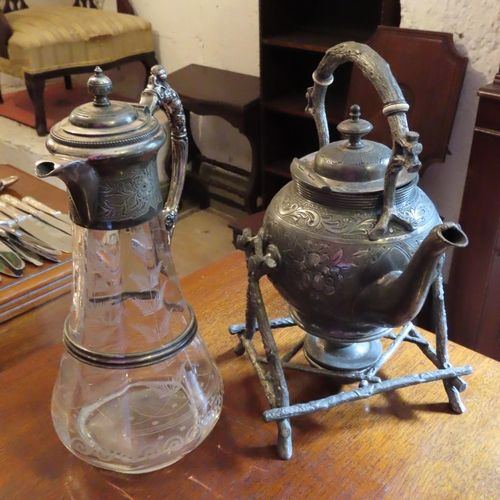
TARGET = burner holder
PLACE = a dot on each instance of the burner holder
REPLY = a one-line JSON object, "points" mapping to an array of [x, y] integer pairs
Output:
{"points": [[270, 368]]}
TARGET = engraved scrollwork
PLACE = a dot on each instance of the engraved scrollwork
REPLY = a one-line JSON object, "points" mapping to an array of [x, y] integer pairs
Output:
{"points": [[306, 215], [357, 225], [298, 215], [131, 197]]}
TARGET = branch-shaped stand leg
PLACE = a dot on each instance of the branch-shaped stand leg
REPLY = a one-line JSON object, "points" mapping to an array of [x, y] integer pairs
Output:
{"points": [[276, 390], [453, 387]]}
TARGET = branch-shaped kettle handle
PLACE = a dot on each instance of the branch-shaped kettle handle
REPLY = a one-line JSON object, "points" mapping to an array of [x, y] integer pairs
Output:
{"points": [[159, 93], [405, 147]]}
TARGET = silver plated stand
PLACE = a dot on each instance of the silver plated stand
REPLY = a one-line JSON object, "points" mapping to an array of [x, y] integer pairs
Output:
{"points": [[270, 368]]}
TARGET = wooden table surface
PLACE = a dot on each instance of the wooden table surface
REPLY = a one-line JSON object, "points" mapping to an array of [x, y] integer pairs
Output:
{"points": [[402, 445]]}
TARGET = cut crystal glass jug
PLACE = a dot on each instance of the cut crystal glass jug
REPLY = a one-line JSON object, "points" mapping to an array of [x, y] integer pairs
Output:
{"points": [[137, 388]]}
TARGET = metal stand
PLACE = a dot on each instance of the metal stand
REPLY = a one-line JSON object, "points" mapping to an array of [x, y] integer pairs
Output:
{"points": [[273, 380]]}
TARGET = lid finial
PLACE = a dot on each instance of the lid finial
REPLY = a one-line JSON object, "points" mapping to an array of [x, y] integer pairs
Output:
{"points": [[99, 85], [354, 128]]}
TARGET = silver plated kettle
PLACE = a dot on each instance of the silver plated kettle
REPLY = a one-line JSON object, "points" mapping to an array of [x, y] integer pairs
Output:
{"points": [[359, 243]]}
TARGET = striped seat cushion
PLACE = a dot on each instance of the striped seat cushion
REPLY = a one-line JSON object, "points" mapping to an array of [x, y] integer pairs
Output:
{"points": [[52, 38]]}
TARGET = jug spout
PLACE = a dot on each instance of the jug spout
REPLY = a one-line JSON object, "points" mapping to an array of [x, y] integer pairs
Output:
{"points": [[397, 297], [82, 183]]}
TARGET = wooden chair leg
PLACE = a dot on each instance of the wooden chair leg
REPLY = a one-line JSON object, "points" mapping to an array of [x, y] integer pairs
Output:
{"points": [[35, 91], [67, 82]]}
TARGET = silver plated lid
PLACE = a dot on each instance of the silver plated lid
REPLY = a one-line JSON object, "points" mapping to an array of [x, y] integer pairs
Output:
{"points": [[105, 127], [348, 166], [353, 160]]}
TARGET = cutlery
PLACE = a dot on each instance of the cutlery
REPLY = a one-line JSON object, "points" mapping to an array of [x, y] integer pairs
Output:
{"points": [[10, 257], [27, 250], [10, 227], [47, 234], [9, 271], [8, 181], [48, 219], [22, 251], [48, 210]]}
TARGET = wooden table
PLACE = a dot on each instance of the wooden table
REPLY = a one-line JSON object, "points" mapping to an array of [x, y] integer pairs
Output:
{"points": [[401, 445]]}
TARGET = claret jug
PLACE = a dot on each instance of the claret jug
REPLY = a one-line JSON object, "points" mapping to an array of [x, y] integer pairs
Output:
{"points": [[356, 241], [137, 388]]}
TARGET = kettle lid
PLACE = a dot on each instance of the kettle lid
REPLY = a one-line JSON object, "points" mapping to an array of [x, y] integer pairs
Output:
{"points": [[350, 166], [102, 126]]}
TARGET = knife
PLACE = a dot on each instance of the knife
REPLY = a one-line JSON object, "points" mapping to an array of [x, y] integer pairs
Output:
{"points": [[47, 234], [25, 239], [48, 219], [28, 250], [48, 210]]}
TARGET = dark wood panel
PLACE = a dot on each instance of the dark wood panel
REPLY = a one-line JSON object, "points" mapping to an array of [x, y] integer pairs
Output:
{"points": [[474, 284], [430, 72]]}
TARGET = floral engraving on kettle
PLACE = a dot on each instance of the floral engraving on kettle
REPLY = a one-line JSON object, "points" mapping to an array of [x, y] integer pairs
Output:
{"points": [[319, 272]]}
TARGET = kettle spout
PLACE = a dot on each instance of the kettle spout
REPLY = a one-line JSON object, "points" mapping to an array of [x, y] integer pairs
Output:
{"points": [[82, 183], [397, 297]]}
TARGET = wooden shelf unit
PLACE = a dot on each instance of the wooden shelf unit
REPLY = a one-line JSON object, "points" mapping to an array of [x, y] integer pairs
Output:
{"points": [[294, 36]]}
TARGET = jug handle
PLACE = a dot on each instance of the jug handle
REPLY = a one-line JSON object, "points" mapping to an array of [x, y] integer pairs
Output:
{"points": [[405, 145], [159, 93]]}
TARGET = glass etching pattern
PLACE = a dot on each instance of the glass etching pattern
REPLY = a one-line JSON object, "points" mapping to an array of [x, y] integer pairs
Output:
{"points": [[127, 301]]}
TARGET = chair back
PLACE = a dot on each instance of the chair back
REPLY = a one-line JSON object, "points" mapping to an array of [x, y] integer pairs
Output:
{"points": [[83, 3], [11, 5]]}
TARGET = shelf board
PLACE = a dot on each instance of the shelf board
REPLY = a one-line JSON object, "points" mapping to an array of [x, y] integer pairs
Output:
{"points": [[295, 104], [280, 168], [316, 42]]}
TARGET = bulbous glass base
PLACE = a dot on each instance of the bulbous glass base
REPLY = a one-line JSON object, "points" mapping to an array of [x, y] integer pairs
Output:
{"points": [[137, 420]]}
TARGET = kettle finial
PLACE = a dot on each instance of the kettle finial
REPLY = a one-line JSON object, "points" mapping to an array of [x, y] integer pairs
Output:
{"points": [[99, 85], [355, 128]]}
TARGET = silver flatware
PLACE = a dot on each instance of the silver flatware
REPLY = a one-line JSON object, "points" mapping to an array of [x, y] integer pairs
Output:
{"points": [[10, 257], [27, 248], [44, 217], [22, 251], [8, 229], [12, 229], [45, 208], [8, 181], [47, 234], [8, 271]]}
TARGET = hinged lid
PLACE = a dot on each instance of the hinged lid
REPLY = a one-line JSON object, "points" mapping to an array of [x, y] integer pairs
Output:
{"points": [[104, 127], [349, 166]]}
